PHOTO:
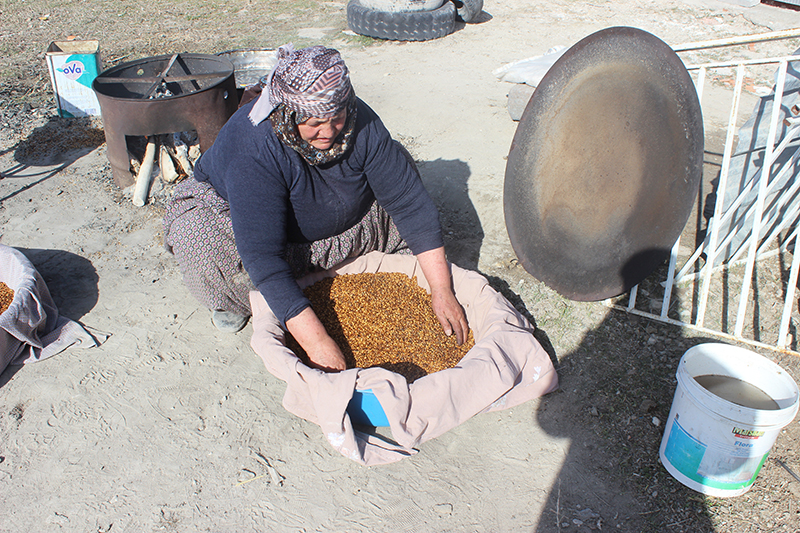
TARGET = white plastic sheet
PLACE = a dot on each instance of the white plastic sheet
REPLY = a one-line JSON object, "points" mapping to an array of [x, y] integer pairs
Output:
{"points": [[531, 70]]}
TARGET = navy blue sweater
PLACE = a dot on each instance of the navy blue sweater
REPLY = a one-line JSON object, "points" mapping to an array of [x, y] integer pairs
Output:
{"points": [[276, 197]]}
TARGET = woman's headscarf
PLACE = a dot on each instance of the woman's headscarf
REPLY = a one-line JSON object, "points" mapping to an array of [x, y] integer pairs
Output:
{"points": [[311, 82]]}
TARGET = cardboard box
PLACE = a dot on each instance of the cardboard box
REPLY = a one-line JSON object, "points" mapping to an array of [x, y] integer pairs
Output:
{"points": [[73, 67]]}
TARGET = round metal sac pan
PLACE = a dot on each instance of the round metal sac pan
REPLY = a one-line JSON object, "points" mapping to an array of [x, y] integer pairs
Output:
{"points": [[605, 165]]}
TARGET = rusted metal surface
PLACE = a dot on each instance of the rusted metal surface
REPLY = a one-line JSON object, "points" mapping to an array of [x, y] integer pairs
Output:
{"points": [[605, 165], [197, 92]]}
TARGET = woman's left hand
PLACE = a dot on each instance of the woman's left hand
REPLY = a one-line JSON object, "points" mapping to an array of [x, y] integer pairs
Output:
{"points": [[450, 314], [445, 306]]}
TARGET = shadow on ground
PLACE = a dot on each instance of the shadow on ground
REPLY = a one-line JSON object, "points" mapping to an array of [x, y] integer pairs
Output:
{"points": [[48, 150], [447, 181], [71, 279], [615, 394]]}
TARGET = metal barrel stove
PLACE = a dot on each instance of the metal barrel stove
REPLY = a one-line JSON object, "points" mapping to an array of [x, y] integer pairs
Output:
{"points": [[163, 94]]}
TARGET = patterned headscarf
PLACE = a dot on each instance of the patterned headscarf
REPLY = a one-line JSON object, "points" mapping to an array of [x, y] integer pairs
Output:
{"points": [[312, 82]]}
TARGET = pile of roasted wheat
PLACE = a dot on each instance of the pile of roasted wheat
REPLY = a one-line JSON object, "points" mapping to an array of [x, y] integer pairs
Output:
{"points": [[384, 319], [6, 297]]}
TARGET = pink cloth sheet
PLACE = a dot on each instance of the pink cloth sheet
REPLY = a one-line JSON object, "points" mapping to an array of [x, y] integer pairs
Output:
{"points": [[506, 367]]}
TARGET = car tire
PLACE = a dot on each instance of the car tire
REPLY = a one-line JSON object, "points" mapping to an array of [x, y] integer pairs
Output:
{"points": [[468, 10], [399, 6], [403, 26]]}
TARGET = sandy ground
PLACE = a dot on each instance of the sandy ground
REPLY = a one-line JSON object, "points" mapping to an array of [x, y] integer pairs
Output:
{"points": [[172, 426]]}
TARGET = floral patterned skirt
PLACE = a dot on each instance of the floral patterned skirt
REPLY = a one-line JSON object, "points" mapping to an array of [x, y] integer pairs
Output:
{"points": [[199, 232]]}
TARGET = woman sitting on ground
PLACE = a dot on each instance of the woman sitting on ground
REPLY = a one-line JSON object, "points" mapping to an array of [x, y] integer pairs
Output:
{"points": [[300, 179]]}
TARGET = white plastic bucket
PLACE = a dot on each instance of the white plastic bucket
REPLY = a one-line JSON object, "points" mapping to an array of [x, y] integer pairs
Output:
{"points": [[716, 442]]}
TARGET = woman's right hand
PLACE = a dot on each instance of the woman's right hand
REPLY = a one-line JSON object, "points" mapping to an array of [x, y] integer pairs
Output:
{"points": [[321, 349], [326, 356]]}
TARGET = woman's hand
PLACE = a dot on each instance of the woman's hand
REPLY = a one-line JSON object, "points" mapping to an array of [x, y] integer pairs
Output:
{"points": [[450, 314], [321, 349], [326, 356], [445, 306]]}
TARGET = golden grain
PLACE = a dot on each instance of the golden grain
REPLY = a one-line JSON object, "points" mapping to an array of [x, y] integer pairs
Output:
{"points": [[383, 319], [6, 297]]}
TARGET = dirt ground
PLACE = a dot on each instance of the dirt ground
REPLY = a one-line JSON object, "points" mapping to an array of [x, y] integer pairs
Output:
{"points": [[172, 426]]}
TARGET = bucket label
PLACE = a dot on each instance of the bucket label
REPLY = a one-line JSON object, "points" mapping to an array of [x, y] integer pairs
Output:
{"points": [[683, 451], [740, 433], [717, 468]]}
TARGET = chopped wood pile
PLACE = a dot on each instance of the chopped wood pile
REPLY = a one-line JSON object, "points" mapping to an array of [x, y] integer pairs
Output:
{"points": [[169, 157]]}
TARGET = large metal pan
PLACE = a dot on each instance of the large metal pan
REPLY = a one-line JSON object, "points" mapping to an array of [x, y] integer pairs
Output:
{"points": [[605, 165]]}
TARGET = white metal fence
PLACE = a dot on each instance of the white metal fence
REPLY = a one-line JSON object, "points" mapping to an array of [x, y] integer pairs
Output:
{"points": [[754, 222]]}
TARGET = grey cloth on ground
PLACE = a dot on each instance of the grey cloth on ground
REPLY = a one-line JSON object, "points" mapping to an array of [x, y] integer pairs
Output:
{"points": [[31, 329]]}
